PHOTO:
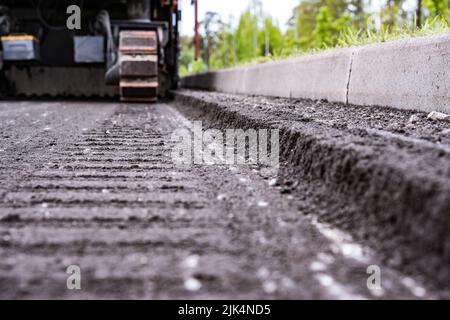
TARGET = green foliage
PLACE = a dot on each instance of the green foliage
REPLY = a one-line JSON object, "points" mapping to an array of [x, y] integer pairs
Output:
{"points": [[324, 28], [351, 36], [391, 15], [225, 53], [315, 25], [270, 35], [437, 7], [198, 66], [327, 30], [187, 55], [247, 37]]}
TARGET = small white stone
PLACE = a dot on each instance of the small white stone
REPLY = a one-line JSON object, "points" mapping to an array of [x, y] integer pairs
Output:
{"points": [[324, 279], [419, 292], [415, 288], [272, 182], [414, 119], [377, 292], [434, 115], [191, 262], [263, 273], [192, 284], [318, 266], [269, 286], [222, 197], [262, 204], [287, 282]]}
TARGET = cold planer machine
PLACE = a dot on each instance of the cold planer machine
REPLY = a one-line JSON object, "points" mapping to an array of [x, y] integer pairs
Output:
{"points": [[121, 48], [138, 65]]}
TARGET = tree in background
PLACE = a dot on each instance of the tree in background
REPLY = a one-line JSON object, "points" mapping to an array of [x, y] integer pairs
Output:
{"points": [[324, 28], [270, 38], [330, 14], [187, 62], [213, 29], [186, 55], [225, 54], [327, 30], [392, 14], [437, 7], [358, 10], [314, 24], [246, 37]]}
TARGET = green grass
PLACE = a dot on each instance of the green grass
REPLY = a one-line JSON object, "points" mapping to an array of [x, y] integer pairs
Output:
{"points": [[351, 37]]}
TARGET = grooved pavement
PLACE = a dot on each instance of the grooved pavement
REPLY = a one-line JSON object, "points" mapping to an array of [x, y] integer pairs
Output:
{"points": [[93, 184]]}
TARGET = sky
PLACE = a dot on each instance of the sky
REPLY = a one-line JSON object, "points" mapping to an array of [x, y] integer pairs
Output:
{"points": [[280, 10]]}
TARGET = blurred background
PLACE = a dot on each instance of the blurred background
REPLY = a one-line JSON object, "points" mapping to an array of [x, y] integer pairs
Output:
{"points": [[243, 31]]}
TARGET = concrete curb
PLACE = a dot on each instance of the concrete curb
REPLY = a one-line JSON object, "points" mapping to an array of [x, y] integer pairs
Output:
{"points": [[410, 74]]}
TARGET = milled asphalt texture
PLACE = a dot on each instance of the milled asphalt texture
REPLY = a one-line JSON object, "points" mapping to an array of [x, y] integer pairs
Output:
{"points": [[93, 184]]}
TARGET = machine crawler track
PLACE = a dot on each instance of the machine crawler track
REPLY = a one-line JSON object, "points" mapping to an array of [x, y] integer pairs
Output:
{"points": [[138, 66]]}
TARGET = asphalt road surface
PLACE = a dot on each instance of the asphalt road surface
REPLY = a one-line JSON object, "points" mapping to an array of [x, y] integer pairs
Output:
{"points": [[92, 184]]}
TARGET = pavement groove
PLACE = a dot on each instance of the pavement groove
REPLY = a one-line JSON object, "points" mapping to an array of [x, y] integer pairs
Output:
{"points": [[104, 195]]}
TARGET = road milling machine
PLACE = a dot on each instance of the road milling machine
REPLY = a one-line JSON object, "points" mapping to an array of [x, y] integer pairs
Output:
{"points": [[89, 48]]}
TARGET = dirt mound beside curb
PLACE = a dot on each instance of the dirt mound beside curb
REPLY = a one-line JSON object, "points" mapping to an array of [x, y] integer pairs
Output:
{"points": [[396, 185]]}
